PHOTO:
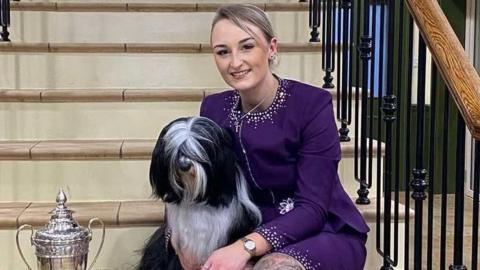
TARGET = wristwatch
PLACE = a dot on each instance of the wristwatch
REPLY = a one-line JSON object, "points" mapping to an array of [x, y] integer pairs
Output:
{"points": [[249, 245]]}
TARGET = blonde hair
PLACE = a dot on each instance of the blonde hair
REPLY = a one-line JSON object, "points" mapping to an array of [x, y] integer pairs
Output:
{"points": [[239, 14]]}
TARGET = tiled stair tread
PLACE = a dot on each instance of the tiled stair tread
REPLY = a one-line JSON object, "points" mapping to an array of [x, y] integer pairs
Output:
{"points": [[105, 95], [9, 212], [137, 149], [16, 150], [111, 95], [112, 213], [135, 47], [115, 213], [143, 7], [76, 150], [102, 149], [39, 213], [369, 211], [140, 213]]}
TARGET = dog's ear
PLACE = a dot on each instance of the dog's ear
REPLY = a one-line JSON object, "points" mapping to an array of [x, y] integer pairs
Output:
{"points": [[226, 139], [223, 173], [159, 171]]}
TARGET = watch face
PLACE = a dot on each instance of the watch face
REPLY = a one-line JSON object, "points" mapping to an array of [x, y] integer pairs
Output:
{"points": [[249, 244]]}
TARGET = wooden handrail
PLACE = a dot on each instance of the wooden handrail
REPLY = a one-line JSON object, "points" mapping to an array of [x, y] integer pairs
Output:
{"points": [[453, 63]]}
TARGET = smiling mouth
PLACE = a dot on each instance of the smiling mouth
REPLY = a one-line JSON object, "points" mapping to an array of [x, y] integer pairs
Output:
{"points": [[240, 74]]}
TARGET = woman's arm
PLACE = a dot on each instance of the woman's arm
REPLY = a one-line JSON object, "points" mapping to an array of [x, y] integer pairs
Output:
{"points": [[317, 177], [235, 256]]}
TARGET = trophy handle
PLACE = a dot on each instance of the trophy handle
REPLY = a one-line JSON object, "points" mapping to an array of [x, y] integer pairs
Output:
{"points": [[103, 238], [18, 242]]}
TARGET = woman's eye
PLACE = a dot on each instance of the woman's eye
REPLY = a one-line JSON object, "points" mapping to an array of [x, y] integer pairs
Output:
{"points": [[248, 46], [221, 52]]}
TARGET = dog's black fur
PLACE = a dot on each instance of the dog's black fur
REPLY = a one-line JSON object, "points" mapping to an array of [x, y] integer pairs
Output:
{"points": [[222, 187]]}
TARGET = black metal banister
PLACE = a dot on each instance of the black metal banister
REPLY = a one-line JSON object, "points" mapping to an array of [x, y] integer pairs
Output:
{"points": [[378, 63]]}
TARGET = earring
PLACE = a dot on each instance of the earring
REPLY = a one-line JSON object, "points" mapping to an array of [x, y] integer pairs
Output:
{"points": [[273, 58]]}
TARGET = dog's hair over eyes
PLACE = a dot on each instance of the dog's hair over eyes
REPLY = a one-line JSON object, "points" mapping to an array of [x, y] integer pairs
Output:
{"points": [[209, 148]]}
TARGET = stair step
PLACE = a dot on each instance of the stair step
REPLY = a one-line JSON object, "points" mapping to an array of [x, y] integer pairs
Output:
{"points": [[104, 149], [144, 7], [112, 213], [135, 213], [105, 95], [15, 47], [110, 95]]}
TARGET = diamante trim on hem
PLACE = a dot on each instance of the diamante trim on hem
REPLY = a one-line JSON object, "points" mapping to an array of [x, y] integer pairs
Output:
{"points": [[272, 235]]}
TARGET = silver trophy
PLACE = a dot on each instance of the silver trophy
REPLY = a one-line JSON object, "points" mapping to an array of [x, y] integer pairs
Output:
{"points": [[62, 244]]}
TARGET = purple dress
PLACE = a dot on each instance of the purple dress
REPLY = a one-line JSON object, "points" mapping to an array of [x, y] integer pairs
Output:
{"points": [[289, 154]]}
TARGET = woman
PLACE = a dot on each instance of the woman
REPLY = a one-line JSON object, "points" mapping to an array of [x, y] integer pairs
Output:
{"points": [[287, 143]]}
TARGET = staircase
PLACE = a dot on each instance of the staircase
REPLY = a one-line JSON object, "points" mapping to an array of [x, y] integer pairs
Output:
{"points": [[85, 89]]}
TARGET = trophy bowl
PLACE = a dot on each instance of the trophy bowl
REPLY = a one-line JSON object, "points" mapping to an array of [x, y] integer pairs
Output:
{"points": [[62, 244]]}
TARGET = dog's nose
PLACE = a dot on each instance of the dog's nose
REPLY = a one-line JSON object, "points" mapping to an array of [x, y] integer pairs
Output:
{"points": [[185, 163]]}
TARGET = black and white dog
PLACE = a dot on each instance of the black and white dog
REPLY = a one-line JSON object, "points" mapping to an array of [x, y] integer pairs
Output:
{"points": [[194, 171]]}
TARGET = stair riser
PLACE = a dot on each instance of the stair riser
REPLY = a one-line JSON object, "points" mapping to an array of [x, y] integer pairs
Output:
{"points": [[120, 250], [347, 176], [97, 180], [90, 120], [138, 27], [121, 247], [23, 121], [80, 71]]}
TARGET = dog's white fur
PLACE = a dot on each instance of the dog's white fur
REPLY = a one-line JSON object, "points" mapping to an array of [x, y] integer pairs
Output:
{"points": [[197, 229]]}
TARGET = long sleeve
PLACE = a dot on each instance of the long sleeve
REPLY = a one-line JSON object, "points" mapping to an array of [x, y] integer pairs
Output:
{"points": [[317, 177], [289, 156]]}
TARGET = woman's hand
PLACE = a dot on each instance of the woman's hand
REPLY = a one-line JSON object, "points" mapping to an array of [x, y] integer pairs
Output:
{"points": [[232, 257], [187, 263]]}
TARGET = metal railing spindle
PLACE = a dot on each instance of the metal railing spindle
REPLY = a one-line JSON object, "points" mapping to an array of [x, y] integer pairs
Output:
{"points": [[328, 44], [443, 207], [314, 19], [379, 123], [431, 168], [371, 97], [408, 141], [476, 193], [419, 182], [362, 192], [459, 198], [397, 131], [346, 73], [389, 109], [4, 19], [365, 49]]}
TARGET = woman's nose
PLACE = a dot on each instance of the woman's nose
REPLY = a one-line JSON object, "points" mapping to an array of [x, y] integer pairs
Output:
{"points": [[236, 60]]}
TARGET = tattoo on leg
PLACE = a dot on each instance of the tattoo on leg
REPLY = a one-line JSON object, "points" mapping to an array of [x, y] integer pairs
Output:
{"points": [[278, 261]]}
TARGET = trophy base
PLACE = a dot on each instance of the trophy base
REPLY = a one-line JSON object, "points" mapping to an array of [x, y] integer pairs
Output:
{"points": [[67, 263]]}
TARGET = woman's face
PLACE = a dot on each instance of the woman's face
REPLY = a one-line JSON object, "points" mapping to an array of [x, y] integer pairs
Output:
{"points": [[242, 59]]}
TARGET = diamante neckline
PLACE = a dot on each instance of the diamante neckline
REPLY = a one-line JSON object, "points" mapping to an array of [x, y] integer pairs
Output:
{"points": [[256, 118]]}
